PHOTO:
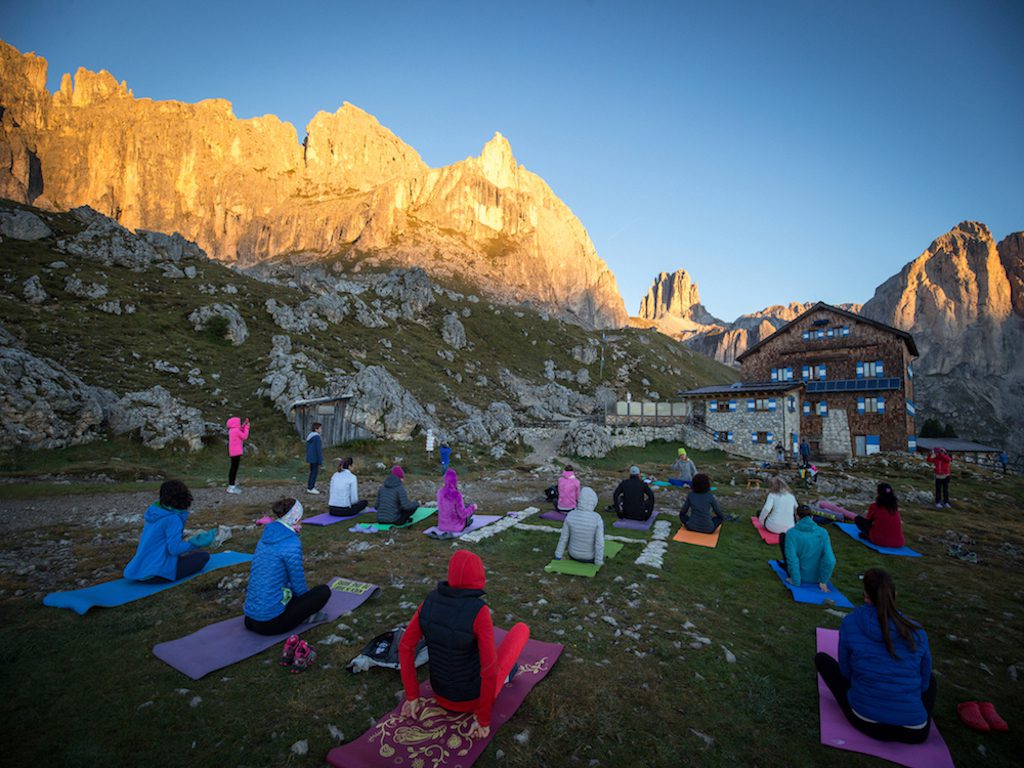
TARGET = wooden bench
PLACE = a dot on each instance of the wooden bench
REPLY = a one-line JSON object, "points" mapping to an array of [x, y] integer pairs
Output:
{"points": [[753, 482]]}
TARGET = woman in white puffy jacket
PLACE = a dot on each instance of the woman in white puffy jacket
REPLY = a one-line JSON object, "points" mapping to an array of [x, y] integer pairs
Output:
{"points": [[778, 514]]}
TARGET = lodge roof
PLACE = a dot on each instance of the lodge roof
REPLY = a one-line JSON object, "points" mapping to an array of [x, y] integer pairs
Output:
{"points": [[744, 387]]}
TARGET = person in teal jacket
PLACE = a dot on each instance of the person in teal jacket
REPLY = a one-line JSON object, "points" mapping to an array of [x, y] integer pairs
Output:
{"points": [[883, 677], [278, 599], [809, 556], [161, 554]]}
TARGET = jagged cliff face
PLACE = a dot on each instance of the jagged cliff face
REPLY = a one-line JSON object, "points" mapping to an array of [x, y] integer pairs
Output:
{"points": [[249, 190], [673, 301]]}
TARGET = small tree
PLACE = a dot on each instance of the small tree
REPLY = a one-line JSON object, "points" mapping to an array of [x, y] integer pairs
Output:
{"points": [[217, 327]]}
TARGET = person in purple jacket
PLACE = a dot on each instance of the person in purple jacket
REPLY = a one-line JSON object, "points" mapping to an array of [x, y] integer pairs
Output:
{"points": [[452, 513], [883, 678]]}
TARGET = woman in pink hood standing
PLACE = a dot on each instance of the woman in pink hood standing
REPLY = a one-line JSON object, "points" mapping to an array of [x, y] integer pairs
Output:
{"points": [[238, 433], [453, 515]]}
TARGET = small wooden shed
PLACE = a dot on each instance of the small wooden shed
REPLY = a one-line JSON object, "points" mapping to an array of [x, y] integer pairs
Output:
{"points": [[331, 412]]}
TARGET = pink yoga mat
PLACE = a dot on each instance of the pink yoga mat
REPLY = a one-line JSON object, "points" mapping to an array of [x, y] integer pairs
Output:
{"points": [[837, 732], [835, 509], [227, 642], [479, 521], [765, 534], [328, 519], [636, 525], [439, 738], [558, 517]]}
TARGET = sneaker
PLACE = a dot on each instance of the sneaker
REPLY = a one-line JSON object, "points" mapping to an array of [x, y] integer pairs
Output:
{"points": [[304, 657], [234, 489], [314, 491], [938, 506], [288, 652], [947, 505]]}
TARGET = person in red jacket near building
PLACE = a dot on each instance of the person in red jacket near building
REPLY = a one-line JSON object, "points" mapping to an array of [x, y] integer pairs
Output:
{"points": [[467, 671], [940, 461], [882, 525]]}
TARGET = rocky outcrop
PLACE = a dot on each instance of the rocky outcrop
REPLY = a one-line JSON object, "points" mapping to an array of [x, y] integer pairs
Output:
{"points": [[249, 190], [285, 381], [236, 331], [493, 426], [33, 291], [158, 419], [23, 225], [384, 407], [587, 440], [453, 332], [1011, 254], [674, 300]]}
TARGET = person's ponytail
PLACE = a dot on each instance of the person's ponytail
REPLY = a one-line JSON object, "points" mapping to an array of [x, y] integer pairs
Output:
{"points": [[879, 587]]}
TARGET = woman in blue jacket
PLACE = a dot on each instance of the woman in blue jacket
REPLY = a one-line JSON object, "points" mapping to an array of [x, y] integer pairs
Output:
{"points": [[161, 554], [883, 679], [277, 599]]}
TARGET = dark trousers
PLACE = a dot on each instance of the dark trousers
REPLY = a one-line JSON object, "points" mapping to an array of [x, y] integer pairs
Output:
{"points": [[942, 490], [405, 514], [233, 472], [642, 513], [188, 564], [782, 548], [355, 509], [828, 668], [863, 525], [297, 611], [314, 470], [715, 522]]}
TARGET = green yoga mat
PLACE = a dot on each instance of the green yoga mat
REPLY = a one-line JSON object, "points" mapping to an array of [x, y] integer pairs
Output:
{"points": [[420, 514], [576, 568]]}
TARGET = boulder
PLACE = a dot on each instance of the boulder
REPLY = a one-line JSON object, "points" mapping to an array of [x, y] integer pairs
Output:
{"points": [[172, 247], [105, 241], [286, 381], [409, 289], [237, 331], [383, 406], [586, 439], [33, 291], [158, 419], [494, 426], [288, 319], [453, 332], [23, 225], [76, 287]]}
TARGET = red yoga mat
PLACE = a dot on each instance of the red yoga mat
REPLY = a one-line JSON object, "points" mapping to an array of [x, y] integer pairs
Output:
{"points": [[765, 534]]}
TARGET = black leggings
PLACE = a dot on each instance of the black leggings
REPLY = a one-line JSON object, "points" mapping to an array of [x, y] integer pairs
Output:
{"points": [[297, 611], [188, 564], [782, 547], [863, 525], [233, 472], [828, 668], [942, 490], [355, 509]]}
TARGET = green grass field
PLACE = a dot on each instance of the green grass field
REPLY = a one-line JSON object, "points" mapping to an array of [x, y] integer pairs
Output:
{"points": [[86, 690]]}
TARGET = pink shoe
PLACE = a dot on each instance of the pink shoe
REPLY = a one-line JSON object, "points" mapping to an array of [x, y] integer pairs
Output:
{"points": [[304, 657], [288, 653]]}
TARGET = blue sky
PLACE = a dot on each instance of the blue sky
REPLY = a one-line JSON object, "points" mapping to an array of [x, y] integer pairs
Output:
{"points": [[778, 151]]}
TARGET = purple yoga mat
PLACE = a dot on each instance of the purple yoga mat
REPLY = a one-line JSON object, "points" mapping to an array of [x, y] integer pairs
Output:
{"points": [[636, 525], [558, 517], [837, 732], [226, 642], [328, 519], [440, 737], [479, 521]]}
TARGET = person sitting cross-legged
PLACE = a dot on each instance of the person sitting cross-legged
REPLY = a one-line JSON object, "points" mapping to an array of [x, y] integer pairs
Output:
{"points": [[633, 498], [809, 556], [700, 512], [583, 531]]}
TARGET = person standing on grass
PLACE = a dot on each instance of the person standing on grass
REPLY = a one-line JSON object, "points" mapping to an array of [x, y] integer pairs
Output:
{"points": [[445, 452], [809, 556], [1004, 460], [940, 461], [805, 453], [700, 512], [633, 498], [883, 677], [277, 599], [685, 467], [568, 490], [393, 504], [883, 525], [583, 531], [314, 455], [778, 514], [467, 669], [161, 554], [238, 433], [344, 500]]}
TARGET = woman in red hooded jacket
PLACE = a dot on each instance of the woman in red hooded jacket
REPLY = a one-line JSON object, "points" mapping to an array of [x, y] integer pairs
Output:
{"points": [[467, 671], [940, 461]]}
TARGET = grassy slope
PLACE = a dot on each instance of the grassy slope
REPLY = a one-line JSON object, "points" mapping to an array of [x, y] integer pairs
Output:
{"points": [[604, 701]]}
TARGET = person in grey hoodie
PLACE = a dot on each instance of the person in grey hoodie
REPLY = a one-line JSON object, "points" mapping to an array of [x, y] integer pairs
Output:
{"points": [[583, 531], [393, 505]]}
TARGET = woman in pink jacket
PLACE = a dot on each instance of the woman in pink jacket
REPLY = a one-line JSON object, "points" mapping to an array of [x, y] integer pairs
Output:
{"points": [[238, 433], [568, 490], [452, 514]]}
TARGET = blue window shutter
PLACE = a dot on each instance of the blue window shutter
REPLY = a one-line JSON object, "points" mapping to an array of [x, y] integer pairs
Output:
{"points": [[845, 330], [730, 437], [806, 372], [769, 437], [881, 405], [806, 335], [910, 374], [860, 370], [807, 407], [823, 408], [860, 405], [713, 405], [775, 374], [716, 435], [732, 406], [911, 443], [753, 437], [831, 333], [910, 408], [771, 404], [822, 373], [879, 369], [750, 406], [789, 374]]}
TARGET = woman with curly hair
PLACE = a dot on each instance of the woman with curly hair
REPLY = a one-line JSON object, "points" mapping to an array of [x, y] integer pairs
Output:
{"points": [[161, 554]]}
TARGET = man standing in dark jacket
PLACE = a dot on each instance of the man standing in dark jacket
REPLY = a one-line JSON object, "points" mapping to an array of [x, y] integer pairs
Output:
{"points": [[633, 498], [314, 456], [467, 671], [393, 505]]}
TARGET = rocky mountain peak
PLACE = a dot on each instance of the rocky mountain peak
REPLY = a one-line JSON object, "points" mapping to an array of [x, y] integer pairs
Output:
{"points": [[96, 87], [498, 164], [674, 295]]}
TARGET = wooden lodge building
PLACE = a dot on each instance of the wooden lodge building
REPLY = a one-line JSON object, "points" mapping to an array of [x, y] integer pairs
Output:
{"points": [[850, 380]]}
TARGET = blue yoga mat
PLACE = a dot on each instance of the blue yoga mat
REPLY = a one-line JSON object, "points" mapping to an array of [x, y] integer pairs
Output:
{"points": [[853, 532], [122, 591], [809, 593]]}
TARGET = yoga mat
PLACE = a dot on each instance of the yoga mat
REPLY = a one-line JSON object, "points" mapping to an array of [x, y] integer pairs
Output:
{"points": [[809, 593], [764, 533], [266, 520], [558, 517], [636, 525], [837, 732], [835, 509], [123, 591], [852, 531], [328, 519], [662, 483], [700, 539], [227, 642], [439, 737], [576, 568], [479, 521], [422, 513]]}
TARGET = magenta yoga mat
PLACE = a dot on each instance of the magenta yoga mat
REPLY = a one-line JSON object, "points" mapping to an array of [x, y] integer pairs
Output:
{"points": [[837, 732], [767, 536], [227, 642], [479, 521], [328, 519], [636, 525], [439, 737], [558, 517]]}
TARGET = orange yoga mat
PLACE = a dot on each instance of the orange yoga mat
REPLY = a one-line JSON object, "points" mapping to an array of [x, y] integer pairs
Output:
{"points": [[700, 539]]}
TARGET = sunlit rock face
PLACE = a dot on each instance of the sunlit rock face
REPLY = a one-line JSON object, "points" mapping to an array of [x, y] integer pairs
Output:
{"points": [[250, 190]]}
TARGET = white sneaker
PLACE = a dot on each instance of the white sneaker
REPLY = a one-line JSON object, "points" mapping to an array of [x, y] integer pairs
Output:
{"points": [[938, 506], [234, 489], [314, 491]]}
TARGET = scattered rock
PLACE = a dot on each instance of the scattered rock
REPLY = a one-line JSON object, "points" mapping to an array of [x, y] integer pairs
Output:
{"points": [[453, 332], [300, 747], [22, 225], [587, 439], [196, 701], [237, 331], [76, 287], [33, 291]]}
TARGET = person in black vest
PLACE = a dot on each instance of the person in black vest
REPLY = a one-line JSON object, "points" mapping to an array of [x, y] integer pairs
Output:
{"points": [[467, 671], [633, 498]]}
